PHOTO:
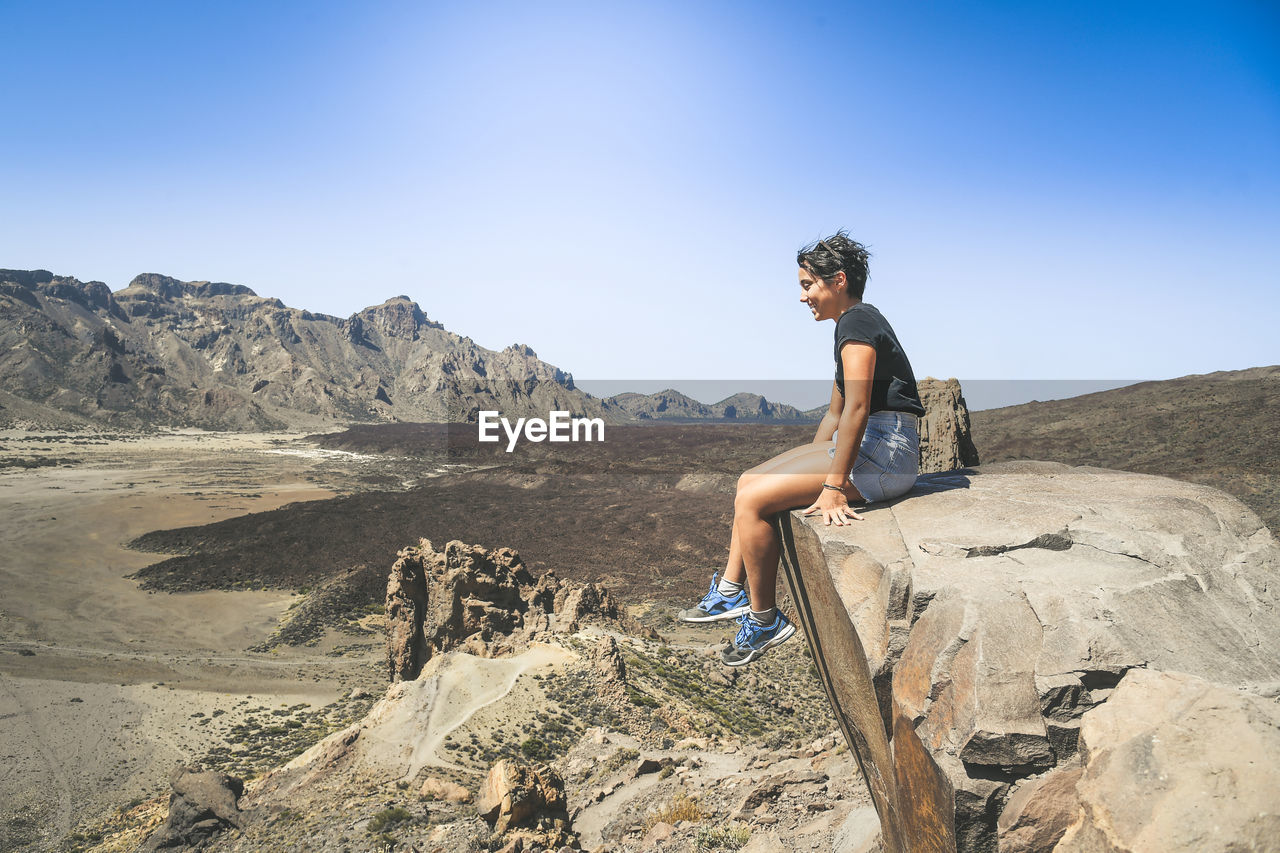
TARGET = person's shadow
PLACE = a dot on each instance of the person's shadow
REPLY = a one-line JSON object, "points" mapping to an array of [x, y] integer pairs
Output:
{"points": [[940, 481]]}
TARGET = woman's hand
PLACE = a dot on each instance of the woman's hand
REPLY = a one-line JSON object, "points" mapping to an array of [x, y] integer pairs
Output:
{"points": [[835, 508]]}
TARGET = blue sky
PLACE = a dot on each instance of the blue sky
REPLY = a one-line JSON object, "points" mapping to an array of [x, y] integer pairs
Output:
{"points": [[1050, 191]]}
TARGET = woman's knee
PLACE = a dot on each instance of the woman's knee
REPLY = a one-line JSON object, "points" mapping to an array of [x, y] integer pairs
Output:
{"points": [[746, 502], [749, 478], [756, 499]]}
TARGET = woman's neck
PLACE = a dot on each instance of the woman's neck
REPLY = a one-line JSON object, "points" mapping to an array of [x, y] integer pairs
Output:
{"points": [[846, 308]]}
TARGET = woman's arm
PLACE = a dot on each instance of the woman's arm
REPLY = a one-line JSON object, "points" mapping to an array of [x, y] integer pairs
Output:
{"points": [[859, 363], [831, 420]]}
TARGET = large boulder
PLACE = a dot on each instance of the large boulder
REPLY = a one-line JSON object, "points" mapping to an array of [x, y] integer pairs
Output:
{"points": [[991, 612], [437, 599], [203, 804], [521, 795]]}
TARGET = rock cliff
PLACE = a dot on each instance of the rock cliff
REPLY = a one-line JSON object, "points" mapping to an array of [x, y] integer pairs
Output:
{"points": [[1045, 655]]}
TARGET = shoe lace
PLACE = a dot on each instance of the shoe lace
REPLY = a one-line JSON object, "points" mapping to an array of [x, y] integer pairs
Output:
{"points": [[713, 594], [748, 631]]}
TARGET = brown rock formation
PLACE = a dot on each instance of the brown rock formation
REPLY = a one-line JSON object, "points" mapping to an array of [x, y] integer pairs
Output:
{"points": [[997, 611], [406, 615], [1040, 810], [519, 795], [946, 442], [484, 600], [574, 603], [203, 803], [609, 663]]}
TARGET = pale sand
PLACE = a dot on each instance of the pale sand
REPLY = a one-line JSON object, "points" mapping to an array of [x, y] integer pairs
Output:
{"points": [[97, 637], [402, 734], [467, 685]]}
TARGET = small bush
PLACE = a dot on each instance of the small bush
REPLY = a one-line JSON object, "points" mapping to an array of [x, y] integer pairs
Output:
{"points": [[683, 807], [619, 758], [387, 818], [535, 748], [726, 836]]}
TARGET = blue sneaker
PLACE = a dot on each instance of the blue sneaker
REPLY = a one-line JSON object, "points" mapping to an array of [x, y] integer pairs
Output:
{"points": [[753, 639], [714, 606]]}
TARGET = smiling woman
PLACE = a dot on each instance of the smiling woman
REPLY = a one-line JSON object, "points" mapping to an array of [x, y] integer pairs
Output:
{"points": [[866, 449]]}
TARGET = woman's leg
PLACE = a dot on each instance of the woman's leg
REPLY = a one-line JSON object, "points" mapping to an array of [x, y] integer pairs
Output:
{"points": [[735, 570], [785, 482]]}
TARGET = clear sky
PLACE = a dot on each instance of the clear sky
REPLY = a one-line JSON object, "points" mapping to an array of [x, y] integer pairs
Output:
{"points": [[1049, 190]]}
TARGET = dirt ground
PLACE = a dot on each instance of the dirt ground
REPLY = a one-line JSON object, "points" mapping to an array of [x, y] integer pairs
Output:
{"points": [[107, 682], [105, 687]]}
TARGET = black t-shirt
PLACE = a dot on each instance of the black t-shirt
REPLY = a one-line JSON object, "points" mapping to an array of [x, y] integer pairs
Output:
{"points": [[893, 387]]}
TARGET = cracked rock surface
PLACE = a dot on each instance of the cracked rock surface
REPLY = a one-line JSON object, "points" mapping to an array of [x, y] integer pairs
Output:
{"points": [[1002, 612]]}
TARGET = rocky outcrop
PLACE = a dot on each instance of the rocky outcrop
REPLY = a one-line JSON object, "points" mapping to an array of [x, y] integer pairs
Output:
{"points": [[483, 600], [203, 804], [215, 355], [946, 441], [1001, 611], [400, 747], [609, 662], [406, 607], [521, 795]]}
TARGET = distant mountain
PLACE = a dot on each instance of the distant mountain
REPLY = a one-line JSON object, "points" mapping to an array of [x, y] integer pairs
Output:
{"points": [[1218, 429], [218, 356], [671, 405], [164, 352]]}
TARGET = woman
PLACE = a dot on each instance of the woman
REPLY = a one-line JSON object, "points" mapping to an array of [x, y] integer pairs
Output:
{"points": [[866, 449]]}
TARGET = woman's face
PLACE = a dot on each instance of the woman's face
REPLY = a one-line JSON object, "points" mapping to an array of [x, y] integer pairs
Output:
{"points": [[826, 299]]}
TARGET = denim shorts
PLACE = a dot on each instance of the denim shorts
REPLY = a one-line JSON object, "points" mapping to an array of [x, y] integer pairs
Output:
{"points": [[889, 458]]}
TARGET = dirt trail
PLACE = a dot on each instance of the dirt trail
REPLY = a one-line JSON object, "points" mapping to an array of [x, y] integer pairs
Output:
{"points": [[466, 685]]}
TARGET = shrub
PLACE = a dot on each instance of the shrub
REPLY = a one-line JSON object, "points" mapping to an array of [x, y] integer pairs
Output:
{"points": [[683, 807], [726, 836], [536, 748], [619, 758], [387, 818]]}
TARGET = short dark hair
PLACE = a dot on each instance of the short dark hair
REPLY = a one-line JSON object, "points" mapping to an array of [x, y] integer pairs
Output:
{"points": [[825, 258]]}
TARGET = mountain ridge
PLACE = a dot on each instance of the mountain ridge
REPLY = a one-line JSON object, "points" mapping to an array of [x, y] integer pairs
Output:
{"points": [[216, 355]]}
